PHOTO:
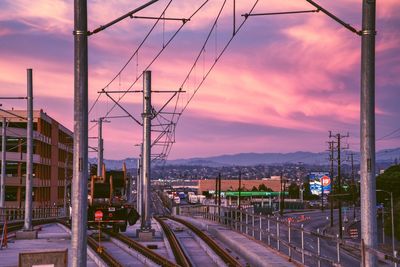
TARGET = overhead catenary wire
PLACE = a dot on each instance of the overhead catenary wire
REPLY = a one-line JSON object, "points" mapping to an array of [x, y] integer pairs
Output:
{"points": [[216, 61], [156, 57], [132, 56], [179, 114]]}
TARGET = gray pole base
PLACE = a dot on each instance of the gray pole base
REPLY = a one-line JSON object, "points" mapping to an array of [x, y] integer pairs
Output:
{"points": [[29, 234], [145, 235]]}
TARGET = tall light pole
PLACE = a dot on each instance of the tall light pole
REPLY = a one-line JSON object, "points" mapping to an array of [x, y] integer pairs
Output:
{"points": [[29, 155], [3, 164], [392, 217], [367, 131], [80, 161], [146, 165]]}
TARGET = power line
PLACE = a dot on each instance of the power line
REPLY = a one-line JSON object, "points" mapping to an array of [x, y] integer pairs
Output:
{"points": [[389, 134]]}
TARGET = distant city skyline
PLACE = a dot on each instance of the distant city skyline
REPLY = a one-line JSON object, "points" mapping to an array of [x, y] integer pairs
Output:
{"points": [[281, 85]]}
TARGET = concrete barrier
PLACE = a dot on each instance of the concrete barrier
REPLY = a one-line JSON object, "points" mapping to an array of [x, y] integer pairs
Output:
{"points": [[55, 258]]}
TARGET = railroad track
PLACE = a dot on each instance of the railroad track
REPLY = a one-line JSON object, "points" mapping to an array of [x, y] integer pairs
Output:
{"points": [[191, 257], [111, 252]]}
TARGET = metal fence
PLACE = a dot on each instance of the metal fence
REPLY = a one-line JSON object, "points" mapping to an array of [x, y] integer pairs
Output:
{"points": [[311, 248], [17, 214]]}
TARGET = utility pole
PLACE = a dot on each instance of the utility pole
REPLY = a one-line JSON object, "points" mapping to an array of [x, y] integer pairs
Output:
{"points": [[146, 169], [216, 191], [331, 174], [80, 160], [100, 148], [219, 189], [339, 186], [3, 164], [339, 138], [367, 131], [322, 195], [29, 155], [354, 185], [282, 195], [240, 187]]}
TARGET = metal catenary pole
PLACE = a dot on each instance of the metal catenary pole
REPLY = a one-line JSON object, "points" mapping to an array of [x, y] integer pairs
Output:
{"points": [[100, 148], [29, 155], [367, 131], [146, 173], [80, 160], [3, 164], [139, 188], [65, 183]]}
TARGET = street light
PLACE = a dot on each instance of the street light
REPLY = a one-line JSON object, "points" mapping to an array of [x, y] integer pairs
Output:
{"points": [[391, 211]]}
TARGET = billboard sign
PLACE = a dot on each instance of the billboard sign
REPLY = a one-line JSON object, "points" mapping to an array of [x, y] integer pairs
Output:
{"points": [[320, 181]]}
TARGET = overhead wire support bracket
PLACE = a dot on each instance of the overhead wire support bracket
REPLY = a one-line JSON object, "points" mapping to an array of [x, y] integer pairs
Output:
{"points": [[184, 20], [119, 92], [168, 101], [13, 97], [335, 18], [281, 13], [129, 14], [119, 105]]}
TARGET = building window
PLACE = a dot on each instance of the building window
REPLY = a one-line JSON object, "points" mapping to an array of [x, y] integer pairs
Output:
{"points": [[11, 193]]}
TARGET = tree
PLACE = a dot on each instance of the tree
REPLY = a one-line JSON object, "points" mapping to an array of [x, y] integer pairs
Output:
{"points": [[264, 188], [307, 195], [294, 190], [254, 188], [390, 181]]}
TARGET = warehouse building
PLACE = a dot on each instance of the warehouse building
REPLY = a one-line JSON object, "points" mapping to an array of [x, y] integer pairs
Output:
{"points": [[52, 159]]}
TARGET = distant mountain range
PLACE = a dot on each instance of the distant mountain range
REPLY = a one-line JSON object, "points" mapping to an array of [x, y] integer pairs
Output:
{"points": [[249, 159]]}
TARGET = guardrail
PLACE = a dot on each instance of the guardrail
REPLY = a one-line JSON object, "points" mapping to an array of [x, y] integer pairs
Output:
{"points": [[281, 234], [16, 214]]}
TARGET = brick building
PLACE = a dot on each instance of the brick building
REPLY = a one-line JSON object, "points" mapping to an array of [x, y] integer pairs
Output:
{"points": [[52, 151]]}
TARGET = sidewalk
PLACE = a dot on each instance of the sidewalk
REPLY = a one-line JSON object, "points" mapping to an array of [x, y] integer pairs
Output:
{"points": [[253, 251], [51, 237]]}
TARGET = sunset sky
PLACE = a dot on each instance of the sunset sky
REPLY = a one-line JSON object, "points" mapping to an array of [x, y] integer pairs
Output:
{"points": [[281, 85]]}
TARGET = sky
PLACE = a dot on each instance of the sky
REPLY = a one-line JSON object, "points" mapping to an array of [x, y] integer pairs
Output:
{"points": [[280, 86]]}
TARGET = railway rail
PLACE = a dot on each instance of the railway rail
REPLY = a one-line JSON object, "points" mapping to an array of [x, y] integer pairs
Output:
{"points": [[107, 256], [226, 258]]}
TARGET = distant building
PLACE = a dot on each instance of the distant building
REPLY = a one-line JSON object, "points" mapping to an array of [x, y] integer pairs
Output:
{"points": [[233, 185], [52, 151]]}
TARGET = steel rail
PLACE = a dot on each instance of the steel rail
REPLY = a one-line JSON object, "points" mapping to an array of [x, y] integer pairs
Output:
{"points": [[148, 253], [103, 254], [180, 256], [225, 256]]}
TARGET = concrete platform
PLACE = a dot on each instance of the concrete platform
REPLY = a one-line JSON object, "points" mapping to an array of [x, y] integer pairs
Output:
{"points": [[51, 237], [157, 240], [253, 251]]}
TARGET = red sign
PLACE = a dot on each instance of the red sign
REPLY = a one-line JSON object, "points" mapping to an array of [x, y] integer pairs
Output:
{"points": [[325, 181], [98, 215]]}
